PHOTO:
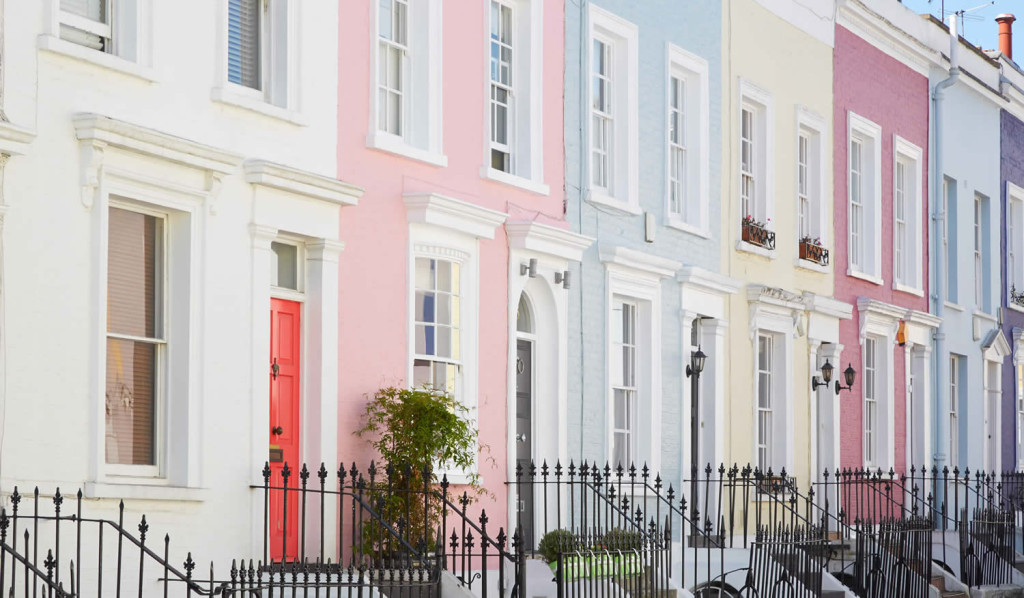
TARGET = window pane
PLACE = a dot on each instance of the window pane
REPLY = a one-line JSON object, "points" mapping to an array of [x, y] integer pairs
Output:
{"points": [[130, 402], [284, 266], [134, 274], [244, 42]]}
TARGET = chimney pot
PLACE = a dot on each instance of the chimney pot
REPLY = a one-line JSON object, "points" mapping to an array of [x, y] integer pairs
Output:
{"points": [[1006, 34]]}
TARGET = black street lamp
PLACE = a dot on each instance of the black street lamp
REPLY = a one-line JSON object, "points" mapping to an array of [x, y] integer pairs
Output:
{"points": [[849, 374], [696, 363]]}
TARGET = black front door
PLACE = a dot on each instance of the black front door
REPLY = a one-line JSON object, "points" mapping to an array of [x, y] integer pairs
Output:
{"points": [[524, 437]]}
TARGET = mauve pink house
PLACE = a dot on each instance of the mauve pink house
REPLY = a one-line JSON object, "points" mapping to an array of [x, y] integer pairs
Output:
{"points": [[430, 277], [881, 231]]}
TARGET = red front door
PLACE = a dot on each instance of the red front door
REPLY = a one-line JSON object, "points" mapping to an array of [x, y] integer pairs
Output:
{"points": [[285, 347]]}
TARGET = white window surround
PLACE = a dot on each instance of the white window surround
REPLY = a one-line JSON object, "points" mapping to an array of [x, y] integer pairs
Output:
{"points": [[120, 163], [809, 123], [280, 61], [623, 37], [994, 350], [423, 138], [636, 277], [1015, 243], [693, 71], [880, 321], [444, 228], [133, 45], [528, 90], [762, 105], [1018, 377], [869, 135], [778, 313], [904, 151]]}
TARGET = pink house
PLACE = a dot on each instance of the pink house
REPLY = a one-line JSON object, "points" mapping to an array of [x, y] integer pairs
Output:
{"points": [[451, 119], [881, 229]]}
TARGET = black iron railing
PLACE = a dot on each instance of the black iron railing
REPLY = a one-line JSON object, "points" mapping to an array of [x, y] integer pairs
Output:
{"points": [[786, 562], [986, 547], [893, 559], [813, 252]]}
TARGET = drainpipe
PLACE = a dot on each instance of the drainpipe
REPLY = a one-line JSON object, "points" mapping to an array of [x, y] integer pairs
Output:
{"points": [[941, 364]]}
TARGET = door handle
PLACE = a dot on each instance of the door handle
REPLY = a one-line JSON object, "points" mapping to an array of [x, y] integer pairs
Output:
{"points": [[274, 369], [277, 430], [521, 437]]}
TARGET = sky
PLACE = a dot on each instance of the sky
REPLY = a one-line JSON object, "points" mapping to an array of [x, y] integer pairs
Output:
{"points": [[979, 27]]}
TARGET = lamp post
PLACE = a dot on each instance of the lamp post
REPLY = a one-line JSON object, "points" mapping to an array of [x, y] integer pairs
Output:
{"points": [[693, 370]]}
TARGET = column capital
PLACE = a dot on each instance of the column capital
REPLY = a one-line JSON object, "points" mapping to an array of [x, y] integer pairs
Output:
{"points": [[262, 235], [325, 250]]}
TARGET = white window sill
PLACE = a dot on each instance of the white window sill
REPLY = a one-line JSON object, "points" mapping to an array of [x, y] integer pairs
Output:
{"points": [[103, 60], [686, 227], [602, 199], [864, 276], [908, 289], [396, 145], [136, 489], [985, 316], [954, 306], [813, 267], [755, 249], [1014, 306], [516, 181], [226, 95]]}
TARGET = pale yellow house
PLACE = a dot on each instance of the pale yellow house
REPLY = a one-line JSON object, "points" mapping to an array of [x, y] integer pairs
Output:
{"points": [[777, 191]]}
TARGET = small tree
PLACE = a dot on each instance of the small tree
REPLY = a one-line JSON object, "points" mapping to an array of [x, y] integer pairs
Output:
{"points": [[415, 432]]}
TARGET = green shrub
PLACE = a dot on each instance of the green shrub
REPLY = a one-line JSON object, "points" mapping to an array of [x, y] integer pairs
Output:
{"points": [[557, 542], [620, 540]]}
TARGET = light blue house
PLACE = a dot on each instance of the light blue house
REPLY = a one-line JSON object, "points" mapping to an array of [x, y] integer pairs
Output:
{"points": [[642, 135], [965, 247]]}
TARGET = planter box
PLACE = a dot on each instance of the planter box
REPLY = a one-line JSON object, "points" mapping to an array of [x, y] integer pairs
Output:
{"points": [[597, 565], [757, 235], [813, 253]]}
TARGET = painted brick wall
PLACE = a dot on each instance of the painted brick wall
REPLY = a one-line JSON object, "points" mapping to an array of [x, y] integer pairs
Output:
{"points": [[1012, 171], [890, 94], [695, 27]]}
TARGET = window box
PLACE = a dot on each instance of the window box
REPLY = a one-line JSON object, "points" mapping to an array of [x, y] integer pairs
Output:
{"points": [[756, 233], [1016, 297], [813, 252]]}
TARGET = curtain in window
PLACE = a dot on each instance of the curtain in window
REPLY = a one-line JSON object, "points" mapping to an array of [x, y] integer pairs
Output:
{"points": [[134, 334], [244, 42]]}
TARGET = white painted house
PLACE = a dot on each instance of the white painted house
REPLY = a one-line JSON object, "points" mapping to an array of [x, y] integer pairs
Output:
{"points": [[171, 171]]}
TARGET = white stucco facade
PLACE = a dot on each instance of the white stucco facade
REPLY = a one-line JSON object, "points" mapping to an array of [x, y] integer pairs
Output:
{"points": [[156, 127]]}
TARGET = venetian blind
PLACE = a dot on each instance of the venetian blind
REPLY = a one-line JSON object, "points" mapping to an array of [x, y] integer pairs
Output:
{"points": [[134, 273], [244, 42]]}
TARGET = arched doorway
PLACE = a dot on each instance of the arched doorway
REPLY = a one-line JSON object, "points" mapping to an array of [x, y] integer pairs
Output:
{"points": [[524, 432]]}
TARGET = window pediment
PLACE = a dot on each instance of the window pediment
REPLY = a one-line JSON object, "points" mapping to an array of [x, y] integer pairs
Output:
{"points": [[458, 216]]}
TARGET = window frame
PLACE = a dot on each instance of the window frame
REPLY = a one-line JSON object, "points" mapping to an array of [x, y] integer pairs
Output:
{"points": [[869, 136], [953, 409], [759, 443], [1018, 377], [760, 104], [1014, 243], [622, 38], [435, 358], [634, 389], [913, 280], [869, 424], [527, 114], [693, 72], [161, 343], [950, 240], [814, 128], [131, 53], [422, 135]]}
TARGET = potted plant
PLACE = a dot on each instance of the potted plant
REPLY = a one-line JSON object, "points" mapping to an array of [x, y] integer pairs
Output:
{"points": [[812, 250], [756, 232], [415, 431], [557, 543]]}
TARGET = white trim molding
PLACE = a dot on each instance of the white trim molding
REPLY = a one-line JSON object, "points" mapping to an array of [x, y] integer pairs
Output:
{"points": [[558, 243], [453, 214]]}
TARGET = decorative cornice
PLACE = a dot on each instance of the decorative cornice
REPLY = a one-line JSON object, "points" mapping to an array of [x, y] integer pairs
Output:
{"points": [[106, 131], [301, 182], [922, 318], [996, 340], [891, 38], [866, 305], [827, 306], [637, 260], [447, 253], [14, 140], [542, 238], [758, 293], [459, 216], [707, 280]]}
